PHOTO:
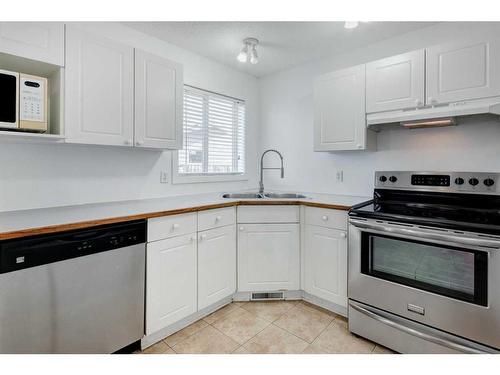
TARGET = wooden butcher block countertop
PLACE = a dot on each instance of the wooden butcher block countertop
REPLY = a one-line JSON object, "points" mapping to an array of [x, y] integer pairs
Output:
{"points": [[22, 223]]}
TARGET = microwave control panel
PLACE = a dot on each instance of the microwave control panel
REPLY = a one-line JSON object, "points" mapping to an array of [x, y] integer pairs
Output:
{"points": [[32, 94]]}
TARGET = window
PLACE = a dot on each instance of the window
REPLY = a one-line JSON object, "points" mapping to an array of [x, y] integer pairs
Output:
{"points": [[213, 135]]}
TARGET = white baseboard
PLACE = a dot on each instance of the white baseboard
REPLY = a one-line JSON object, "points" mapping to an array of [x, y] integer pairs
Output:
{"points": [[337, 309]]}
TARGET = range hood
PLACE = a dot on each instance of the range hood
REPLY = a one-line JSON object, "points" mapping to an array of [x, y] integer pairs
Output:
{"points": [[465, 108]]}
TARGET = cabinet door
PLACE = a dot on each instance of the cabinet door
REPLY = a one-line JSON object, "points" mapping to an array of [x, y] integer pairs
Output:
{"points": [[325, 261], [42, 41], [339, 110], [268, 257], [158, 102], [170, 281], [462, 71], [216, 265], [395, 83], [99, 84]]}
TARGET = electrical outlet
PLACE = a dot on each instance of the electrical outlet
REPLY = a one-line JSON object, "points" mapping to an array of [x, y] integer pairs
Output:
{"points": [[163, 177], [339, 176]]}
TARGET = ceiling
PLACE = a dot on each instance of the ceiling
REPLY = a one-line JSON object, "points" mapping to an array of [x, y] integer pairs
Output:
{"points": [[282, 44]]}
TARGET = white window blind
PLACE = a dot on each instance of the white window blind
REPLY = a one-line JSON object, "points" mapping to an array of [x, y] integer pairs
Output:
{"points": [[214, 134]]}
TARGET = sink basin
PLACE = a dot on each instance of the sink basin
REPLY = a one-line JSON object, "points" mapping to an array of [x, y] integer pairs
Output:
{"points": [[243, 196], [284, 195]]}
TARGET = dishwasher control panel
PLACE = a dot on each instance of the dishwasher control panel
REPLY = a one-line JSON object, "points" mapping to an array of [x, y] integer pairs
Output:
{"points": [[35, 251]]}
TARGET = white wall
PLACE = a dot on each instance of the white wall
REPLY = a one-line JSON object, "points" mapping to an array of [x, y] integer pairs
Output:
{"points": [[286, 121], [52, 175]]}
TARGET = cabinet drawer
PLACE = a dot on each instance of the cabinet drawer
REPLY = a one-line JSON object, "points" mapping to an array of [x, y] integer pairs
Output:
{"points": [[268, 214], [325, 217], [219, 217], [171, 226]]}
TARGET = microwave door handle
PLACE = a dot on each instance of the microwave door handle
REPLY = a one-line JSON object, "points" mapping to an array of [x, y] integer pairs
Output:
{"points": [[426, 235], [414, 332]]}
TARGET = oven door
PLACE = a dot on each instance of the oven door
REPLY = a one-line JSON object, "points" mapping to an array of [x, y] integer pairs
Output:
{"points": [[437, 277]]}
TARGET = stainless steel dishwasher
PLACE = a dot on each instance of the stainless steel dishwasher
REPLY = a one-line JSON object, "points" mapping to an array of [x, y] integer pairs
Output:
{"points": [[80, 291]]}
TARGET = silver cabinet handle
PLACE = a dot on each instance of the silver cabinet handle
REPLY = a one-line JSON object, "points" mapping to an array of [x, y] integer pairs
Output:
{"points": [[455, 238], [411, 331], [343, 235]]}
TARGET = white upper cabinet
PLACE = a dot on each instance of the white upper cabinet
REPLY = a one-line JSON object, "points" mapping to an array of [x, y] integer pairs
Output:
{"points": [[325, 261], [99, 84], [339, 110], [396, 82], [216, 265], [158, 102], [42, 41], [462, 71]]}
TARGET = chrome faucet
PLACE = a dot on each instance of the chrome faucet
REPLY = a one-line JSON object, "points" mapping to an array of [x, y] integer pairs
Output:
{"points": [[261, 182]]}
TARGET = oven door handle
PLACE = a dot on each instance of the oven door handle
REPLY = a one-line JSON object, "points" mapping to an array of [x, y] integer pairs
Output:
{"points": [[420, 334], [427, 235]]}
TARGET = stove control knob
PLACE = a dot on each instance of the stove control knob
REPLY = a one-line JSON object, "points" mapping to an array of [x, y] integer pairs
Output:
{"points": [[382, 179], [459, 181], [393, 178], [489, 182], [473, 181]]}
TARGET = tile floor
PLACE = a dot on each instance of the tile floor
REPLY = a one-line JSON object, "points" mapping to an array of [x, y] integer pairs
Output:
{"points": [[275, 327]]}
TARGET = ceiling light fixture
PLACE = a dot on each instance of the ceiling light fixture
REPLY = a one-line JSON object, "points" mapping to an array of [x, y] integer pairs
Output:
{"points": [[249, 51], [351, 24]]}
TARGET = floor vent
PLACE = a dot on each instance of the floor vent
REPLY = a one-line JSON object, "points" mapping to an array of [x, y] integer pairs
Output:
{"points": [[267, 296]]}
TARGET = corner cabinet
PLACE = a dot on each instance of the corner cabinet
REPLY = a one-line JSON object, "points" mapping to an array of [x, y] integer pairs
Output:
{"points": [[462, 70], [40, 41], [396, 82], [99, 102], [268, 257], [339, 111], [158, 102]]}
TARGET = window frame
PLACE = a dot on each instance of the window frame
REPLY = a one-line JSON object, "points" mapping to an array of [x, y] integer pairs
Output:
{"points": [[182, 178]]}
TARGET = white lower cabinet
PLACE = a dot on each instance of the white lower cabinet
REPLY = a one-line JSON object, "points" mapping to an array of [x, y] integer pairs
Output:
{"points": [[268, 257], [170, 281], [325, 269], [216, 265]]}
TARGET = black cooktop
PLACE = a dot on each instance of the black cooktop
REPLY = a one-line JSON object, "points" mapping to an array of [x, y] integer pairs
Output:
{"points": [[469, 212]]}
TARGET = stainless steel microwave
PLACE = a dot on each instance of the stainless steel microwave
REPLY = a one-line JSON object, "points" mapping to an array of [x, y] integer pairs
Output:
{"points": [[23, 102]]}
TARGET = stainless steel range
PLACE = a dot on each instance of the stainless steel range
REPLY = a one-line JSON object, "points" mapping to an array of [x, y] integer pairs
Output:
{"points": [[424, 263]]}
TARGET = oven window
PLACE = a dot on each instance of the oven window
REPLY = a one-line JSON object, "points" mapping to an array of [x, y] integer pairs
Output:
{"points": [[449, 271]]}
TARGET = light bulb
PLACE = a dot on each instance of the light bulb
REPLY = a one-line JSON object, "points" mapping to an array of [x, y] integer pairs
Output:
{"points": [[243, 55], [254, 59], [351, 24]]}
